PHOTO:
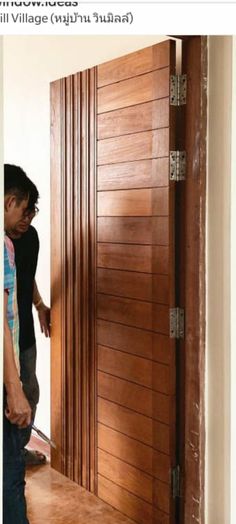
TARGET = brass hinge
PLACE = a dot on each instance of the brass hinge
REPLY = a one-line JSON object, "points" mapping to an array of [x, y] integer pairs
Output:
{"points": [[178, 90], [176, 322], [175, 482], [177, 165]]}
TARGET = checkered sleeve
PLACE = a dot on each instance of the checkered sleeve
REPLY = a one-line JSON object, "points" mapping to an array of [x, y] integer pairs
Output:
{"points": [[7, 270]]}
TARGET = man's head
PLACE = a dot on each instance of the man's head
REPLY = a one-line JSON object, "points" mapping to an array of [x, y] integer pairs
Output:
{"points": [[20, 199]]}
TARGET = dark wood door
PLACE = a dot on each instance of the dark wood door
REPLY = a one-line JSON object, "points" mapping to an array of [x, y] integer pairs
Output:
{"points": [[135, 284], [112, 131]]}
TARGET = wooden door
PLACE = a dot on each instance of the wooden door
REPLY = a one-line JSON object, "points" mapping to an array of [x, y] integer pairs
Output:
{"points": [[135, 284], [112, 131]]}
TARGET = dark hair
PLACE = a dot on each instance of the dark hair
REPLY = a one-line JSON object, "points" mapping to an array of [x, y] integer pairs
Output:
{"points": [[17, 183]]}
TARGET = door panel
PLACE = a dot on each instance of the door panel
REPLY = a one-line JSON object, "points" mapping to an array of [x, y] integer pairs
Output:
{"points": [[138, 146], [135, 341], [135, 285], [135, 425], [146, 259], [138, 174], [134, 202], [134, 396], [134, 119], [115, 363], [134, 64], [131, 230], [152, 86], [136, 313]]}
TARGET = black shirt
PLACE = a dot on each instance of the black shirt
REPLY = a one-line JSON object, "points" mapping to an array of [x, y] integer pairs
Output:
{"points": [[26, 258]]}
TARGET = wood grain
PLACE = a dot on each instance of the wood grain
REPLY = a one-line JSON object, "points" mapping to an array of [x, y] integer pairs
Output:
{"points": [[195, 54], [135, 341], [136, 387], [134, 230], [147, 259], [133, 396], [134, 202], [73, 282], [125, 502], [134, 313], [161, 495], [151, 115], [57, 145], [126, 448], [125, 475], [134, 425], [134, 64], [152, 288], [135, 369], [135, 453], [136, 174], [137, 146], [114, 381], [151, 86], [134, 480]]}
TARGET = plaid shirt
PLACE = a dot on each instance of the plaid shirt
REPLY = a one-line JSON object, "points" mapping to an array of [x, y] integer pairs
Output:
{"points": [[10, 287]]}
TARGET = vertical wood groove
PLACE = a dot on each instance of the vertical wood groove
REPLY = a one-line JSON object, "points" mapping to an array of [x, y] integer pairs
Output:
{"points": [[73, 104]]}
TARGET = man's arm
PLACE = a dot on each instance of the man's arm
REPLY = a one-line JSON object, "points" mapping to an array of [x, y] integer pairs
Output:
{"points": [[43, 311], [18, 410]]}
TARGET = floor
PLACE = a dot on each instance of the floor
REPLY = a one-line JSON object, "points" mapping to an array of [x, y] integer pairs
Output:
{"points": [[54, 499]]}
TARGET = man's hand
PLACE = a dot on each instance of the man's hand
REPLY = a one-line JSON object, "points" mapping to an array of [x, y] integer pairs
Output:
{"points": [[18, 410], [44, 319]]}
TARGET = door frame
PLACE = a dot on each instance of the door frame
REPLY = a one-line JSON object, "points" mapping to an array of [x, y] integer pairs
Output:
{"points": [[191, 198]]}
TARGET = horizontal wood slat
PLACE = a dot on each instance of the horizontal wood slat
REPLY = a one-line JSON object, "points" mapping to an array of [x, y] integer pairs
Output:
{"points": [[134, 313], [135, 481], [135, 369], [151, 115], [134, 202], [147, 259], [151, 86], [134, 425], [135, 453], [135, 341], [134, 284], [125, 502], [137, 146], [133, 64], [133, 396], [129, 504], [152, 288], [131, 175], [125, 475], [134, 230]]}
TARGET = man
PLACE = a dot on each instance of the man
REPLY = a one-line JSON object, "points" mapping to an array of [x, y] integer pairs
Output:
{"points": [[17, 412], [26, 245]]}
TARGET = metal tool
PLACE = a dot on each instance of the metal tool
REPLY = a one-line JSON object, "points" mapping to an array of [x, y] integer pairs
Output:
{"points": [[44, 437]]}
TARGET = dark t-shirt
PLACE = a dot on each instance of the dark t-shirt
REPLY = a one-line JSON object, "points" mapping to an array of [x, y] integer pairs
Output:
{"points": [[26, 258]]}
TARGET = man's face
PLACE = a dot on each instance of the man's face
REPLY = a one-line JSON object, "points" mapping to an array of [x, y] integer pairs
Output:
{"points": [[23, 224], [13, 211]]}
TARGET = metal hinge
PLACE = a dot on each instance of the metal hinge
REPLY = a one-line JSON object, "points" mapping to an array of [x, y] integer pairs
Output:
{"points": [[178, 90], [175, 481], [176, 322], [177, 165]]}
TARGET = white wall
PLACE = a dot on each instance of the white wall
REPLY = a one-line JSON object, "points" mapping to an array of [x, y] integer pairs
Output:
{"points": [[30, 64], [219, 350]]}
